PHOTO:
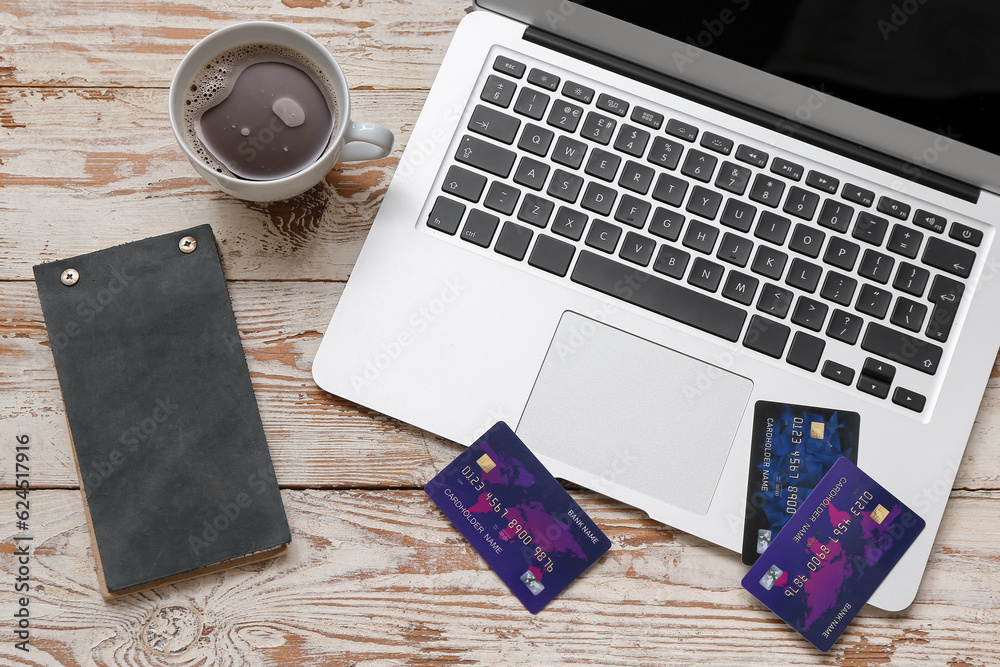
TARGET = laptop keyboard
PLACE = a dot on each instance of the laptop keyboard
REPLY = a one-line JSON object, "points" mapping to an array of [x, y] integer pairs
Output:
{"points": [[705, 229]]}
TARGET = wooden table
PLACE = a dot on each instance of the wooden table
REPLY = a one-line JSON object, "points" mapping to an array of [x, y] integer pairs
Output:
{"points": [[375, 574]]}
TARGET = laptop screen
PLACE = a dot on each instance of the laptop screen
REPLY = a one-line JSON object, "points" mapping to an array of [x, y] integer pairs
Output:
{"points": [[930, 63]]}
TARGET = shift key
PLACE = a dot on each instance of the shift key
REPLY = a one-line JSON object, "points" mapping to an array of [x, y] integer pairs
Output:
{"points": [[483, 155], [902, 348]]}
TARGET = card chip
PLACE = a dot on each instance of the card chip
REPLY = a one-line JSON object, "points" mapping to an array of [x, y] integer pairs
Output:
{"points": [[818, 430], [486, 463], [879, 514]]}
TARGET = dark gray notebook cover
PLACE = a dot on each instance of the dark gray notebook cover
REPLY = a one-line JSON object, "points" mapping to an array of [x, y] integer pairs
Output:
{"points": [[166, 431]]}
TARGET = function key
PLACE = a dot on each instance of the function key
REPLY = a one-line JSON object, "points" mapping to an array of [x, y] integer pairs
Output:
{"points": [[822, 182], [896, 209], [498, 91], [578, 92], [966, 234], [682, 130], [543, 79], [647, 117], [858, 195], [716, 143], [910, 400], [930, 221], [753, 156], [446, 215], [612, 104], [786, 168], [508, 66]]}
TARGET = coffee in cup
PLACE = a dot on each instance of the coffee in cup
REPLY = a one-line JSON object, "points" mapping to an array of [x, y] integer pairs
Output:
{"points": [[260, 112], [263, 112]]}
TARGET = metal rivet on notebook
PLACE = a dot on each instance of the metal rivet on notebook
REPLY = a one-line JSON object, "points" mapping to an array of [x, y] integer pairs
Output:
{"points": [[188, 244], [69, 276]]}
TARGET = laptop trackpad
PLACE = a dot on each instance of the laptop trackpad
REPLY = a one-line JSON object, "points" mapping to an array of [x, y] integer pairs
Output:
{"points": [[634, 413]]}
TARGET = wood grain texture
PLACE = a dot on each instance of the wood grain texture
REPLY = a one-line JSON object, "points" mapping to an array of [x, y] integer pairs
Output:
{"points": [[376, 575], [82, 169], [388, 44], [316, 439], [381, 577]]}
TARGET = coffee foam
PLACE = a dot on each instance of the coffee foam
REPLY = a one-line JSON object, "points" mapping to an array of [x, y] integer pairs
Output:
{"points": [[214, 82]]}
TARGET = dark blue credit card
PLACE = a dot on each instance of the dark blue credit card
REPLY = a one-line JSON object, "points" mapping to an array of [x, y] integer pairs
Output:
{"points": [[830, 557], [792, 447], [517, 516]]}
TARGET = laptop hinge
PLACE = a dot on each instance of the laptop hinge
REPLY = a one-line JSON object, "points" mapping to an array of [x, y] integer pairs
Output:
{"points": [[873, 158]]}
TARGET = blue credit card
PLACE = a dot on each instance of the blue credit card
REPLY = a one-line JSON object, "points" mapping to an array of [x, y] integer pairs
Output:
{"points": [[792, 447], [517, 516], [830, 557]]}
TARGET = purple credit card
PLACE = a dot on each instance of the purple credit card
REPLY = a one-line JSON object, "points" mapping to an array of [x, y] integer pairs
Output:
{"points": [[517, 516], [833, 553]]}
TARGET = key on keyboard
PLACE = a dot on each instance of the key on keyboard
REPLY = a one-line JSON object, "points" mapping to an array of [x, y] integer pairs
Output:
{"points": [[613, 198]]}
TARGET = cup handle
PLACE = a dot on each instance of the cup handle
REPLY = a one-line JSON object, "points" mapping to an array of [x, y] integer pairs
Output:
{"points": [[366, 141]]}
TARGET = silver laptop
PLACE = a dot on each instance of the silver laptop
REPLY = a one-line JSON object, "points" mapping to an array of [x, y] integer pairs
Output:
{"points": [[619, 233]]}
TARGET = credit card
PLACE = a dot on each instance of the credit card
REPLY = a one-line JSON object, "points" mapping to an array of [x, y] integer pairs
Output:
{"points": [[827, 561], [517, 516], [792, 447]]}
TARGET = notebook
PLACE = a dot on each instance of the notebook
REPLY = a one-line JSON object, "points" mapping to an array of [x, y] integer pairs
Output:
{"points": [[167, 438], [620, 234]]}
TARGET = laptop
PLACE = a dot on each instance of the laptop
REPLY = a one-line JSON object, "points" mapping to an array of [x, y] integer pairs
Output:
{"points": [[619, 233]]}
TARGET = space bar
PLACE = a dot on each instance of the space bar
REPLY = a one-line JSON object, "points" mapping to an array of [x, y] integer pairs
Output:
{"points": [[658, 295]]}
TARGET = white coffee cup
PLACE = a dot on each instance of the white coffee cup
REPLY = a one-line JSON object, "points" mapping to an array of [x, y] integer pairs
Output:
{"points": [[350, 141]]}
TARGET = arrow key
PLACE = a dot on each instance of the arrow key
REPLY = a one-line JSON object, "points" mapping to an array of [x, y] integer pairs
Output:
{"points": [[879, 370], [838, 372], [910, 400], [873, 386]]}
